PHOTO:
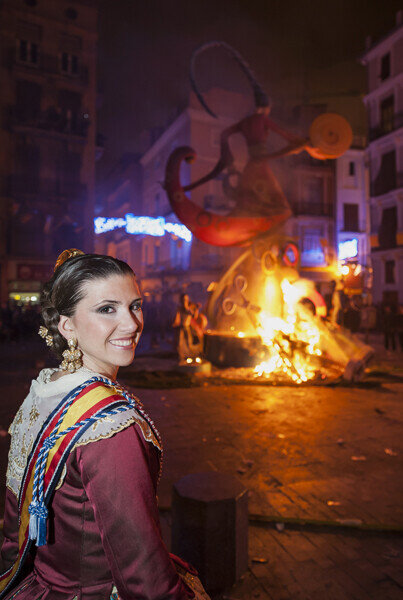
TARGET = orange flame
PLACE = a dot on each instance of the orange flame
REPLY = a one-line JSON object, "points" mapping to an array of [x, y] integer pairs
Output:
{"points": [[289, 332]]}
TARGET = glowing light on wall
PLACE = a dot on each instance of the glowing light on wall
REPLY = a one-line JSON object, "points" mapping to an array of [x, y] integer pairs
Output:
{"points": [[142, 226], [348, 249]]}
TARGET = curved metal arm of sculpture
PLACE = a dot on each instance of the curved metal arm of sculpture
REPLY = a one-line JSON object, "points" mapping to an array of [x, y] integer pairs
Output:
{"points": [[223, 164], [226, 160], [288, 150], [207, 226], [261, 98]]}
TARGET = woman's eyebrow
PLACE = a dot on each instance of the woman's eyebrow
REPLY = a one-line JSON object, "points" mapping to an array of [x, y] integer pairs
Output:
{"points": [[116, 302], [107, 301]]}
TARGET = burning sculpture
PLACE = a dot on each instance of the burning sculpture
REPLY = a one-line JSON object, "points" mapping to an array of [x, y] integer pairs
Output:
{"points": [[260, 204], [262, 313], [265, 316]]}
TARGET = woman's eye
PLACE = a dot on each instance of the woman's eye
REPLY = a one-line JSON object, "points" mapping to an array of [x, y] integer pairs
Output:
{"points": [[136, 306], [105, 309]]}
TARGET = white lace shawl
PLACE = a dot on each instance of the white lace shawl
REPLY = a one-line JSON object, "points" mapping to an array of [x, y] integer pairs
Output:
{"points": [[42, 399]]}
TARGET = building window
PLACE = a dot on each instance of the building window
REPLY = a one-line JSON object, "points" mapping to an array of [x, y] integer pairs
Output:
{"points": [[312, 191], [387, 114], [385, 66], [390, 271], [71, 13], [388, 228], [351, 168], [70, 105], [386, 178], [28, 52], [312, 250], [69, 63], [28, 95], [350, 217], [27, 168], [374, 219]]}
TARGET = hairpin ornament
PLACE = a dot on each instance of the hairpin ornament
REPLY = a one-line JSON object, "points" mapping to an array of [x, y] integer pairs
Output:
{"points": [[44, 333], [66, 255]]}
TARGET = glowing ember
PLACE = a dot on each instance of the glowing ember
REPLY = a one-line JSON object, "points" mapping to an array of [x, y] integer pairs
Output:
{"points": [[293, 339], [263, 313]]}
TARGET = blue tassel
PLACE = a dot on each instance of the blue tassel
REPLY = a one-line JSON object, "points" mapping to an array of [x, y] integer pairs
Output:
{"points": [[42, 530], [33, 521], [38, 522]]}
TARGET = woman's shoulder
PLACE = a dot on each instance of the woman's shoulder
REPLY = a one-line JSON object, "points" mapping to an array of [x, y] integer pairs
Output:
{"points": [[131, 412]]}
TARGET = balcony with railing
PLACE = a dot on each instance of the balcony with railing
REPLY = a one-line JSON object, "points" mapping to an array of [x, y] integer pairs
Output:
{"points": [[48, 64], [27, 185], [50, 120], [313, 209], [392, 124]]}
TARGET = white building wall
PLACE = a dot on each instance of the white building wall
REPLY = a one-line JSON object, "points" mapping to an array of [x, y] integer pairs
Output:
{"points": [[386, 136], [352, 189]]}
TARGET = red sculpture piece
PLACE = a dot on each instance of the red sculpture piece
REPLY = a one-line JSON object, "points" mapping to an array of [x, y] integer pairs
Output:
{"points": [[260, 204]]}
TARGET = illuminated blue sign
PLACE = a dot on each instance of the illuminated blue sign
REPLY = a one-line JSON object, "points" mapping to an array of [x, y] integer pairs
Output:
{"points": [[348, 249], [142, 226]]}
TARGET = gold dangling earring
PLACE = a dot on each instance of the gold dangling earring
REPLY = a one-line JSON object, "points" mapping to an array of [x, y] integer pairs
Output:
{"points": [[72, 357]]}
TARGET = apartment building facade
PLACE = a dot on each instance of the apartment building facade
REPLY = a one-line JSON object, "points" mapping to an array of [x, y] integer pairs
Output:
{"points": [[384, 104], [48, 143]]}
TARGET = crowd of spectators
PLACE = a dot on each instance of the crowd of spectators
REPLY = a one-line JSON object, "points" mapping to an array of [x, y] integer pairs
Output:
{"points": [[18, 322], [359, 315], [159, 313]]}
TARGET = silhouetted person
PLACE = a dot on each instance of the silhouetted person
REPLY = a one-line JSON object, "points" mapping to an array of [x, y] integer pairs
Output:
{"points": [[388, 326]]}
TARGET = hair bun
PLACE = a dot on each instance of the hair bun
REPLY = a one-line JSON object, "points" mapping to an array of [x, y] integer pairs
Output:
{"points": [[66, 255]]}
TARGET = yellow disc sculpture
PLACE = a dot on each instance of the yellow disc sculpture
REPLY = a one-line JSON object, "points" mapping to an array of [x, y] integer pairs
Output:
{"points": [[330, 136]]}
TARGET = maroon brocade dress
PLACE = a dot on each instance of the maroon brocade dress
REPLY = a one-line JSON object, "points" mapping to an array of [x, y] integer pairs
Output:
{"points": [[103, 530]]}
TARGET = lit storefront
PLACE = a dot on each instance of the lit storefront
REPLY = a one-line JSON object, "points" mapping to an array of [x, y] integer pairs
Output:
{"points": [[25, 280]]}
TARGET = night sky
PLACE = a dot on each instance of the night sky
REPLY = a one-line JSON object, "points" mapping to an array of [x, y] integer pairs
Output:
{"points": [[145, 49]]}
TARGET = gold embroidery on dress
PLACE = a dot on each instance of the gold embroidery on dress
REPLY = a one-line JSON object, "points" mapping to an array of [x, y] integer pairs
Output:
{"points": [[99, 421], [17, 460], [25, 449], [18, 418], [28, 416], [142, 423], [33, 414]]}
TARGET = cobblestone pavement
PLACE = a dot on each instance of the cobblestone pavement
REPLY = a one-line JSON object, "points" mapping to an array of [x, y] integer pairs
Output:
{"points": [[325, 454], [316, 455], [321, 565], [294, 449]]}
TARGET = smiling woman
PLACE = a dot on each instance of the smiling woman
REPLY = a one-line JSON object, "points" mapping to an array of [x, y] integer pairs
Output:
{"points": [[85, 458], [107, 330]]}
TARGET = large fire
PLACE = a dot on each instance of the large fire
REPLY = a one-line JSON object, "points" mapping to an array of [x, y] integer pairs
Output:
{"points": [[291, 340], [274, 322]]}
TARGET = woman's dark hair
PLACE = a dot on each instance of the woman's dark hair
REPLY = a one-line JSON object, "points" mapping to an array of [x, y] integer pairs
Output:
{"points": [[61, 294]]}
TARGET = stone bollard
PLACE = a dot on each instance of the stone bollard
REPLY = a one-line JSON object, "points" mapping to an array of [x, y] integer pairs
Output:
{"points": [[210, 527]]}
